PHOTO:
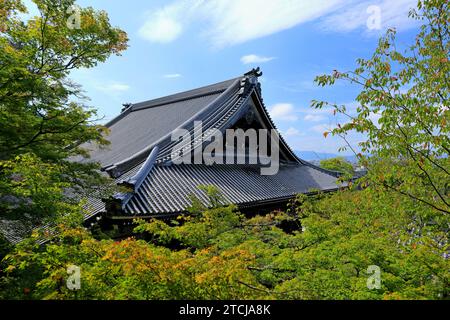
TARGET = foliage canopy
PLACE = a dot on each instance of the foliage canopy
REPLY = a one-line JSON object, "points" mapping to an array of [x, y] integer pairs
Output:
{"points": [[320, 247]]}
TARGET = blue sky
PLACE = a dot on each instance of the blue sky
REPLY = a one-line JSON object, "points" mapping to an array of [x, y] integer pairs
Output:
{"points": [[179, 45]]}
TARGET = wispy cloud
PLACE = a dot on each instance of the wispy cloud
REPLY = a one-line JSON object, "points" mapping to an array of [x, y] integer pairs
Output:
{"points": [[230, 22], [364, 15], [162, 26], [253, 58], [172, 76], [93, 81], [321, 128], [283, 112], [314, 117], [292, 132]]}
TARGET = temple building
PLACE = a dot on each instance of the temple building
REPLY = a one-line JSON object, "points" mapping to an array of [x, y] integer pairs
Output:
{"points": [[141, 155]]}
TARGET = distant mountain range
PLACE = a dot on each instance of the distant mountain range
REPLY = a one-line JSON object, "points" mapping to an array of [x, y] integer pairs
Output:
{"points": [[317, 156]]}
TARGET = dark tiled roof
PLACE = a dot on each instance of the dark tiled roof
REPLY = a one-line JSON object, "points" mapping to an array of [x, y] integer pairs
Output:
{"points": [[162, 187], [15, 231], [146, 122], [186, 95], [167, 188]]}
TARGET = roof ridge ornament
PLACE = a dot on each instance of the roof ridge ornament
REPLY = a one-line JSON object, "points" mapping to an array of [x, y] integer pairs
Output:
{"points": [[126, 106], [255, 72], [250, 79]]}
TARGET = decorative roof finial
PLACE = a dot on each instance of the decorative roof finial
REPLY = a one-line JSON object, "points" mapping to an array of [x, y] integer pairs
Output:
{"points": [[254, 72], [125, 106]]}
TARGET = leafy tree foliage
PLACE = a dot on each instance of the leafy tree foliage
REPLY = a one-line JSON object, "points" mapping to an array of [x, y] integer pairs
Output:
{"points": [[44, 121], [409, 93], [223, 255], [320, 247], [339, 164]]}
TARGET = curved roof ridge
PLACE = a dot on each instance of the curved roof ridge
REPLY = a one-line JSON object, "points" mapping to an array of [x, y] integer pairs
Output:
{"points": [[284, 142], [116, 169], [241, 88], [207, 90], [185, 95]]}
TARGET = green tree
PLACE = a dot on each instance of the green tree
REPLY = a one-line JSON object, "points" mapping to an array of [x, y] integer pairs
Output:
{"points": [[43, 116], [408, 90], [320, 248], [223, 255], [138, 269], [338, 164]]}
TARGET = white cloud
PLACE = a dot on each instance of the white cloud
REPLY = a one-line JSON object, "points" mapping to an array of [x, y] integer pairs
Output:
{"points": [[163, 26], [233, 21], [93, 81], [314, 118], [321, 128], [253, 58], [360, 15], [283, 112], [292, 132], [229, 22], [172, 75]]}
